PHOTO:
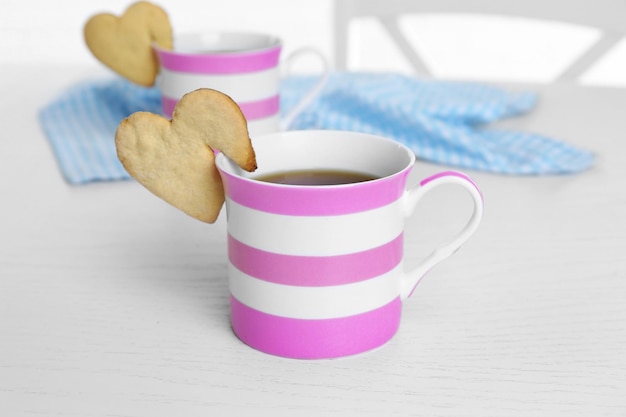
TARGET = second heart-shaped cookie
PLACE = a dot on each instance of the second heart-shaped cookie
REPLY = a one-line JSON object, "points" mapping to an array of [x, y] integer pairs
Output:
{"points": [[124, 43], [175, 159]]}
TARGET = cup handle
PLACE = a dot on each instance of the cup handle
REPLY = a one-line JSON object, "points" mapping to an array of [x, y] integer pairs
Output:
{"points": [[312, 94], [413, 196]]}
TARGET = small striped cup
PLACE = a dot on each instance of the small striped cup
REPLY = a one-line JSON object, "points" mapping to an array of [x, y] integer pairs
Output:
{"points": [[245, 66], [317, 271]]}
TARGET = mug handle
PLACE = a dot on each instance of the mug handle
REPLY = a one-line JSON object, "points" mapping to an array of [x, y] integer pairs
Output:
{"points": [[313, 92], [413, 196]]}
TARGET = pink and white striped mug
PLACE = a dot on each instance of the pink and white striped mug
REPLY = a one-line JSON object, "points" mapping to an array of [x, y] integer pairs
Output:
{"points": [[317, 271], [245, 66]]}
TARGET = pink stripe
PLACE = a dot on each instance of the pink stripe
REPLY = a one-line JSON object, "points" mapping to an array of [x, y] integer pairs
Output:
{"points": [[168, 105], [260, 109], [315, 339], [315, 271], [315, 200], [252, 110], [450, 174], [220, 63]]}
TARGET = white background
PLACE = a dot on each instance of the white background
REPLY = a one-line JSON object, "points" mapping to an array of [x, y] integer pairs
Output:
{"points": [[35, 31]]}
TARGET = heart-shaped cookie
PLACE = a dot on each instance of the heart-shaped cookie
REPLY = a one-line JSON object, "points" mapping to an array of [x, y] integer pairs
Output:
{"points": [[124, 44], [175, 159]]}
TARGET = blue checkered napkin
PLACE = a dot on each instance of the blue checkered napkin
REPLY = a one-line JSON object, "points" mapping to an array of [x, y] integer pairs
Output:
{"points": [[80, 125], [442, 122]]}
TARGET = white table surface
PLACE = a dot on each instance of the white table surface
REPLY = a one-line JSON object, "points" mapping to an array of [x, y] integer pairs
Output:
{"points": [[112, 303]]}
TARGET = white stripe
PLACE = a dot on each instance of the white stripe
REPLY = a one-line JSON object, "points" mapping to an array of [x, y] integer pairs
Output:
{"points": [[315, 235], [263, 126], [240, 87], [315, 302]]}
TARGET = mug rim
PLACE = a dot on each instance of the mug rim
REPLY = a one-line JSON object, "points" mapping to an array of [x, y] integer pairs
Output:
{"points": [[223, 162], [273, 42]]}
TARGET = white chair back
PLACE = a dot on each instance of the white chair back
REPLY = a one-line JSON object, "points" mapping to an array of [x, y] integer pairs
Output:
{"points": [[608, 16]]}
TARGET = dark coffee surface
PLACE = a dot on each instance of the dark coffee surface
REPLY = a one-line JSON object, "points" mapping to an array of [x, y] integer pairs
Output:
{"points": [[316, 177]]}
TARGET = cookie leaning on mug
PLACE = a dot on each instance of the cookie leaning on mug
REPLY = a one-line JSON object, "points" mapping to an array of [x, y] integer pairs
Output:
{"points": [[124, 43], [175, 159]]}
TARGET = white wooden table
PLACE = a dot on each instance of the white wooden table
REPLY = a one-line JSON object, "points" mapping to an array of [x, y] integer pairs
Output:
{"points": [[112, 303]]}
